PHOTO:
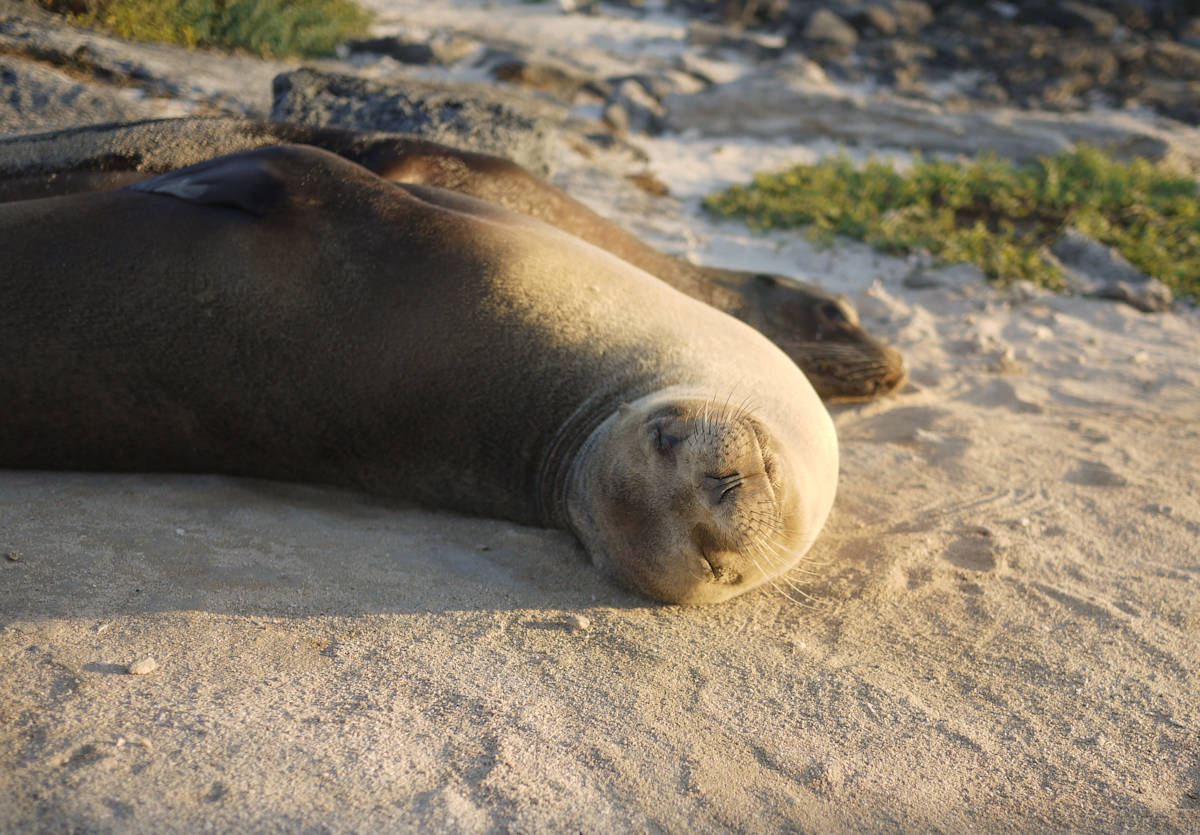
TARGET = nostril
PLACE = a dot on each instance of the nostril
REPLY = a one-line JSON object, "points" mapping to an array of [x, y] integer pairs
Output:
{"points": [[721, 572], [721, 562]]}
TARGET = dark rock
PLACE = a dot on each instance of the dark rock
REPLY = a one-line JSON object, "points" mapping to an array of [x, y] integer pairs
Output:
{"points": [[641, 111], [879, 18], [911, 16], [648, 182], [905, 77], [774, 108], [752, 12], [404, 51], [992, 93], [825, 27], [232, 83], [1100, 64], [616, 117], [1131, 54], [1071, 16], [1190, 34], [450, 47], [656, 86], [36, 98], [905, 51], [708, 71], [747, 44], [1179, 99], [1174, 59], [471, 116], [962, 277], [1094, 269], [1063, 93], [610, 142], [558, 80]]}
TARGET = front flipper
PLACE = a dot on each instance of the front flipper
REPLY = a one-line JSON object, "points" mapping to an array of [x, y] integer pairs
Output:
{"points": [[257, 181]]}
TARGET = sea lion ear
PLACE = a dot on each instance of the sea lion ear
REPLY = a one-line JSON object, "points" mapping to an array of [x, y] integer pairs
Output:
{"points": [[251, 182]]}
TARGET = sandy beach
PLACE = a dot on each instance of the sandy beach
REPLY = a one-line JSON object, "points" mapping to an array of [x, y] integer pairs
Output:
{"points": [[998, 629]]}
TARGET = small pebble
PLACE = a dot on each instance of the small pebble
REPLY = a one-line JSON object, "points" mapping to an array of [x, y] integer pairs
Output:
{"points": [[14, 556], [143, 668]]}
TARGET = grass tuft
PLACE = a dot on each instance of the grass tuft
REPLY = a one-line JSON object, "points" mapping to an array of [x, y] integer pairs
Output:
{"points": [[989, 211], [270, 28]]}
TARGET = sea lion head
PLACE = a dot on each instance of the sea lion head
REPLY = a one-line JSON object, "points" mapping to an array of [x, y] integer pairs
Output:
{"points": [[689, 499], [819, 331], [822, 332]]}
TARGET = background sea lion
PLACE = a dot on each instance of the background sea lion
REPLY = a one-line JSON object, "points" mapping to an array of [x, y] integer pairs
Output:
{"points": [[284, 313], [820, 331]]}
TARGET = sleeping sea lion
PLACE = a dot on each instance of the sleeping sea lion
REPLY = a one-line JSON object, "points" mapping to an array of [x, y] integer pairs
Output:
{"points": [[284, 313], [820, 331]]}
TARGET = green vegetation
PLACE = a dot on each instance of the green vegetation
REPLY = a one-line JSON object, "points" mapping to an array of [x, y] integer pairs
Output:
{"points": [[271, 28], [990, 211]]}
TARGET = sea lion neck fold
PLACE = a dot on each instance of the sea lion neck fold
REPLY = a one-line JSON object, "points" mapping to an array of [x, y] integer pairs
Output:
{"points": [[565, 448]]}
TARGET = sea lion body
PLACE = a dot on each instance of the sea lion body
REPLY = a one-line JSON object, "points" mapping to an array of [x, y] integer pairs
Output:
{"points": [[286, 314], [818, 330]]}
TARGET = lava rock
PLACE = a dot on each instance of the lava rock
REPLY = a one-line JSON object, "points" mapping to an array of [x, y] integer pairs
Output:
{"points": [[877, 17], [711, 36], [961, 277], [633, 108], [34, 97], [1071, 16], [404, 51], [825, 27], [469, 116], [1174, 59], [911, 16], [1093, 269], [558, 80]]}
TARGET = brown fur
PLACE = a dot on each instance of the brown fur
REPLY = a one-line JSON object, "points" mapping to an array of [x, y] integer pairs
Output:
{"points": [[286, 314], [820, 332]]}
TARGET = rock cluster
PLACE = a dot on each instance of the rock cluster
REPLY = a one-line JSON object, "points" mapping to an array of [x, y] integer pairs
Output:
{"points": [[1063, 56], [475, 117]]}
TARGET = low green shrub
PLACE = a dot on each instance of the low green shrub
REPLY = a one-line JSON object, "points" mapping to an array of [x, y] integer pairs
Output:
{"points": [[989, 211], [271, 28]]}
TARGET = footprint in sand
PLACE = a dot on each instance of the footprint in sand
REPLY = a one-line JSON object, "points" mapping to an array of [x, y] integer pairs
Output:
{"points": [[975, 551], [1096, 474], [1001, 394]]}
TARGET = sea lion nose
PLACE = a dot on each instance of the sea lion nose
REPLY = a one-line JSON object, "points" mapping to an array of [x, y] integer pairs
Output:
{"points": [[721, 563]]}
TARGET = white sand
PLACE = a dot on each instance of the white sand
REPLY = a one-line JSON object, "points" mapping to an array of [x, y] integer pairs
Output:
{"points": [[998, 629]]}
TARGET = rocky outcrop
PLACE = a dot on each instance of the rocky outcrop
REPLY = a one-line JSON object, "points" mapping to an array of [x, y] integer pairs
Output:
{"points": [[774, 107], [1093, 269], [472, 116], [35, 97], [193, 78], [1062, 55]]}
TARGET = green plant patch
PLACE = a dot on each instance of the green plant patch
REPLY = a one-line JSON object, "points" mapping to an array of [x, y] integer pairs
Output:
{"points": [[270, 28], [992, 212]]}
